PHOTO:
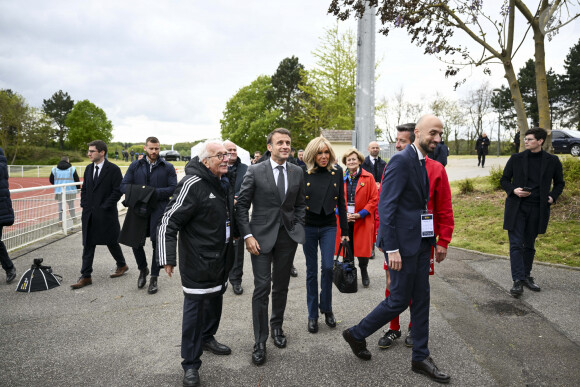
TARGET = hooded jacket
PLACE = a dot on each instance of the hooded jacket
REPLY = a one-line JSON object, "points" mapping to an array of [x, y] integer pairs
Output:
{"points": [[198, 212], [6, 212]]}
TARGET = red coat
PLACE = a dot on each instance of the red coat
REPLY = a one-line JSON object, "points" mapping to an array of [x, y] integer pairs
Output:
{"points": [[439, 204], [365, 197]]}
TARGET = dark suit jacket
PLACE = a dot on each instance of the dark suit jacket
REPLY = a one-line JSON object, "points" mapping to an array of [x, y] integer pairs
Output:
{"points": [[403, 197], [368, 166], [259, 189], [99, 203], [515, 174]]}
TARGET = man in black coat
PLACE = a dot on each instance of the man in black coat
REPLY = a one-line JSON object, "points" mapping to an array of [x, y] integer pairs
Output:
{"points": [[375, 166], [6, 217], [99, 196], [151, 171], [527, 179], [481, 146], [236, 172]]}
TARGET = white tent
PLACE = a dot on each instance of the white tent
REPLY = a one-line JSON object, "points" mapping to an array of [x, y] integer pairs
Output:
{"points": [[243, 154]]}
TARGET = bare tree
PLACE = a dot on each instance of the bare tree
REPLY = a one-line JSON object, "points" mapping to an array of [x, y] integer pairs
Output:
{"points": [[477, 106]]}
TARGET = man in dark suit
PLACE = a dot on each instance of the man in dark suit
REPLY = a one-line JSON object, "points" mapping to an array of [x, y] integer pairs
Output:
{"points": [[405, 237], [100, 193], [373, 163], [527, 178], [275, 188]]}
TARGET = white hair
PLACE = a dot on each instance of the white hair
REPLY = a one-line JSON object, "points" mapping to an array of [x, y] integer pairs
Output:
{"points": [[204, 154]]}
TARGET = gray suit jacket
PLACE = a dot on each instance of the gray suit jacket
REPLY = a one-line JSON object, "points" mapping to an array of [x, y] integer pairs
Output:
{"points": [[259, 189]]}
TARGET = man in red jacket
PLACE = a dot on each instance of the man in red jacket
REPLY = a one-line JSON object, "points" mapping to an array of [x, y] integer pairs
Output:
{"points": [[440, 206]]}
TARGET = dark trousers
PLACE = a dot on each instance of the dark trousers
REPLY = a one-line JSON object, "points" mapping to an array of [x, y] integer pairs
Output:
{"points": [[141, 259], [238, 268], [326, 238], [201, 319], [89, 256], [522, 240], [480, 157], [4, 259], [271, 273], [412, 282]]}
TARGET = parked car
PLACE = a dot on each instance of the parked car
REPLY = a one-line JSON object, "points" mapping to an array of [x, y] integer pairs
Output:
{"points": [[170, 155], [566, 141]]}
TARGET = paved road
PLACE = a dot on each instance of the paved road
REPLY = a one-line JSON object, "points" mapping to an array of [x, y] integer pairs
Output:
{"points": [[113, 334], [461, 168]]}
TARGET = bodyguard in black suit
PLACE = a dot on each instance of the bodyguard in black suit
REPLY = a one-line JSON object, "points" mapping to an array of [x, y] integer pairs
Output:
{"points": [[373, 163], [527, 179], [402, 203], [100, 193], [275, 190]]}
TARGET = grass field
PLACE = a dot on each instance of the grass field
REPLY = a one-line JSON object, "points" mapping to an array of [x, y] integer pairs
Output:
{"points": [[479, 223]]}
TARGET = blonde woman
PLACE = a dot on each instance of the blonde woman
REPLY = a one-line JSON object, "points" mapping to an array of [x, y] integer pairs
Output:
{"points": [[324, 194]]}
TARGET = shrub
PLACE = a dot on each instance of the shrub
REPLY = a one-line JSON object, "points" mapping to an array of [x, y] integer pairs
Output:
{"points": [[466, 186], [571, 168], [494, 178]]}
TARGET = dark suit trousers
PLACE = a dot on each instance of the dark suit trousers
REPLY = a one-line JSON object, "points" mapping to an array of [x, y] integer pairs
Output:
{"points": [[89, 255], [272, 270], [141, 259], [238, 268], [412, 282], [522, 241], [201, 318], [4, 259]]}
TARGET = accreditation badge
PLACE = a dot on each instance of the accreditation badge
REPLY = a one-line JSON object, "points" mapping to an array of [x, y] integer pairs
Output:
{"points": [[350, 207], [427, 230], [228, 225]]}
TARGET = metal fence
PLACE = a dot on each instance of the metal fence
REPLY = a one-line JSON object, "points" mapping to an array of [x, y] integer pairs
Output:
{"points": [[38, 216], [387, 151], [45, 170]]}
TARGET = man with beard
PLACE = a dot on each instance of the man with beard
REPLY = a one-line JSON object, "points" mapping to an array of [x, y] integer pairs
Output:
{"points": [[406, 234], [202, 213], [151, 171]]}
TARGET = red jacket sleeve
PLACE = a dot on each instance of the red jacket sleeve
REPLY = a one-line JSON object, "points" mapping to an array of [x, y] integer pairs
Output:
{"points": [[440, 202]]}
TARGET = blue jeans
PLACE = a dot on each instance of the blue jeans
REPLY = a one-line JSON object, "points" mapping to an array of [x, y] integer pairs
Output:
{"points": [[326, 237]]}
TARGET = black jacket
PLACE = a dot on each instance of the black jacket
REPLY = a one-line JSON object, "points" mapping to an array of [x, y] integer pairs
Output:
{"points": [[482, 144], [6, 211], [515, 175], [198, 212], [162, 177], [324, 193], [141, 201], [377, 172], [236, 174]]}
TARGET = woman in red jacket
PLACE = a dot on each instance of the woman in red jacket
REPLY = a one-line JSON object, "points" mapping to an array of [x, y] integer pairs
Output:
{"points": [[361, 201]]}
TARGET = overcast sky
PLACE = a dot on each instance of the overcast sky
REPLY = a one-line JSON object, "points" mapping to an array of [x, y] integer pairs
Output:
{"points": [[167, 68]]}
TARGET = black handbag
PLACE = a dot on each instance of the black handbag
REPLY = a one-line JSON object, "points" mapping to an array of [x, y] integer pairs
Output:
{"points": [[344, 273]]}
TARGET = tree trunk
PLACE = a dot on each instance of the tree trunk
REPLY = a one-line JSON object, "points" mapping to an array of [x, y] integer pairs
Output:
{"points": [[542, 87], [517, 100]]}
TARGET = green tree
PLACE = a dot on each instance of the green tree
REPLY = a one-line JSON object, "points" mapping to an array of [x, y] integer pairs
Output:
{"points": [[330, 87], [249, 115], [58, 107], [569, 84], [87, 122], [13, 120], [433, 23]]}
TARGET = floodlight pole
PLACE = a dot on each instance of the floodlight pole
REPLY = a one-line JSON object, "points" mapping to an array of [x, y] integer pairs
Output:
{"points": [[364, 122]]}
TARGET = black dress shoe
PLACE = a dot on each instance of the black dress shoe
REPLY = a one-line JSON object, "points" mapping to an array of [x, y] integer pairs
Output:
{"points": [[518, 289], [152, 286], [358, 347], [10, 275], [312, 325], [428, 367], [330, 320], [409, 340], [238, 289], [142, 280], [191, 378], [293, 272], [259, 354], [530, 284], [216, 348], [279, 338]]}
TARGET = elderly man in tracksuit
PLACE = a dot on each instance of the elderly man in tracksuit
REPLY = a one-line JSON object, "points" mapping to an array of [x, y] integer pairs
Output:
{"points": [[151, 171], [202, 212]]}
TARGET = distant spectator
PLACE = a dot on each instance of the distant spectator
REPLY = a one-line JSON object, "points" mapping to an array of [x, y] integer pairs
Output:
{"points": [[517, 142], [256, 159], [132, 153], [65, 173], [300, 158], [6, 217], [116, 154], [441, 152], [481, 146]]}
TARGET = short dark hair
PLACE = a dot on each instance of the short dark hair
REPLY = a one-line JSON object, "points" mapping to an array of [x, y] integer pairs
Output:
{"points": [[538, 133], [100, 145], [278, 130], [409, 127], [64, 158], [153, 140]]}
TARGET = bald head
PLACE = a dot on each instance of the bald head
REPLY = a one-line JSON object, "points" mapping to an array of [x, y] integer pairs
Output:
{"points": [[428, 133], [232, 150], [374, 148]]}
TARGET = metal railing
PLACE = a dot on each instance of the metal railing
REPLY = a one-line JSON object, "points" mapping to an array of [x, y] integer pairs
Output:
{"points": [[45, 170]]}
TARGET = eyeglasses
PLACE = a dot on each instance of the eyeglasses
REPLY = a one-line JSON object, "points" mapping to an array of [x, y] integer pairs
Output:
{"points": [[220, 156]]}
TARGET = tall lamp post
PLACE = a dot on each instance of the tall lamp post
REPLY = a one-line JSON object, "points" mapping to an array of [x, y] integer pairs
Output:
{"points": [[498, 119]]}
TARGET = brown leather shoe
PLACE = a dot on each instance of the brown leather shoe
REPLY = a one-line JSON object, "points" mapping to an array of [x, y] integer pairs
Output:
{"points": [[83, 281], [120, 271]]}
